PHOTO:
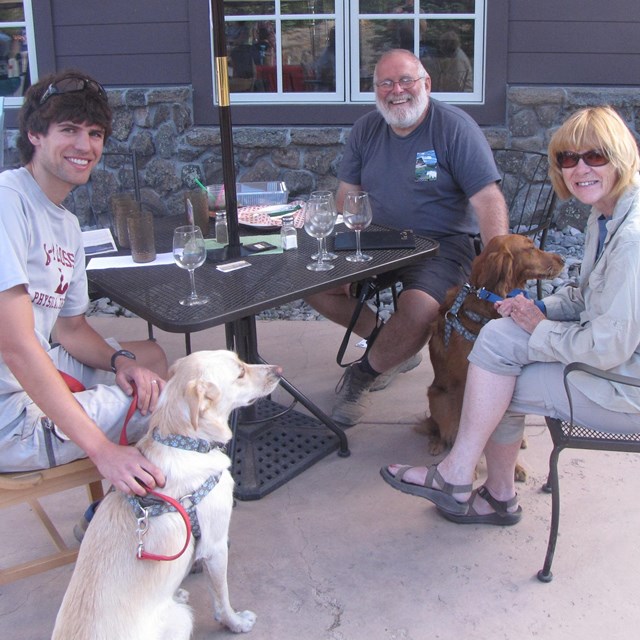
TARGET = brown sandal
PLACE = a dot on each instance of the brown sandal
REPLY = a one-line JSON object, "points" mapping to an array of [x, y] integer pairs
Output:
{"points": [[501, 515], [441, 497]]}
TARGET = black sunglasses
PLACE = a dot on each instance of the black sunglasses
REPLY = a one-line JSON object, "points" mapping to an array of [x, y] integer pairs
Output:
{"points": [[570, 159], [72, 85]]}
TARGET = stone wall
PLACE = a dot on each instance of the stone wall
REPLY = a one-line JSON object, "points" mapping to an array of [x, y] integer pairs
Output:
{"points": [[158, 125]]}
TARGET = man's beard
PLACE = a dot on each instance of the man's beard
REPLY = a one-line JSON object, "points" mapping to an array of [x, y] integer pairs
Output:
{"points": [[407, 115]]}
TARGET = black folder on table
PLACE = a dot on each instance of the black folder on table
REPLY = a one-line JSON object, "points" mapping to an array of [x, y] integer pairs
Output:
{"points": [[371, 240]]}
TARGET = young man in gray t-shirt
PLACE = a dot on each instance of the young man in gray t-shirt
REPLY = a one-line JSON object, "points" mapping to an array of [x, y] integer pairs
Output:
{"points": [[64, 122]]}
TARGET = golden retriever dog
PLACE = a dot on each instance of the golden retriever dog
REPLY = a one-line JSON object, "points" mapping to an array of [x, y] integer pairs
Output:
{"points": [[506, 263], [113, 594]]}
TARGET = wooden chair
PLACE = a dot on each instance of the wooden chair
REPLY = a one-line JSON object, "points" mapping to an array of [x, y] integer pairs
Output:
{"points": [[28, 487], [567, 434]]}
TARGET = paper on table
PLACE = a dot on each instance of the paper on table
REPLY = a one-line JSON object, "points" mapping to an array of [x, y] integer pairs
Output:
{"points": [[98, 241], [118, 262]]}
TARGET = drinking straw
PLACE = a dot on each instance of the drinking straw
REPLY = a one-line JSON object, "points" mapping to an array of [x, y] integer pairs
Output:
{"points": [[200, 184]]}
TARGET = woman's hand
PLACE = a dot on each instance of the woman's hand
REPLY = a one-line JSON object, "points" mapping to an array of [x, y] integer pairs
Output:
{"points": [[522, 311]]}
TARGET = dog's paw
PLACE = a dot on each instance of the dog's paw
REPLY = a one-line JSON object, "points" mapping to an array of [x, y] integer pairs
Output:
{"points": [[524, 444], [436, 446], [181, 596], [520, 474], [240, 621]]}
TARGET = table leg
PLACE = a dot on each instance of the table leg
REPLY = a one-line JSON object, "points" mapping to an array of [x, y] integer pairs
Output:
{"points": [[272, 443]]}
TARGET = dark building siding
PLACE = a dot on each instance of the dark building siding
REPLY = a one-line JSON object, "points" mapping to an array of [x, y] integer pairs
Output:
{"points": [[124, 42], [574, 42], [166, 42]]}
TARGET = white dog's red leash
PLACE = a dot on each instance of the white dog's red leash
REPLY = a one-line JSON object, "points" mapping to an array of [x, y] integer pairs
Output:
{"points": [[143, 519], [143, 526]]}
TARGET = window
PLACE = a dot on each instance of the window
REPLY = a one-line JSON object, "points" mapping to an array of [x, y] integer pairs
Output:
{"points": [[293, 51], [17, 55]]}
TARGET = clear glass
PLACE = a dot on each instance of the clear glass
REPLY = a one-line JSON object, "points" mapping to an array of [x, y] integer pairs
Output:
{"points": [[14, 62], [356, 213], [324, 252], [447, 52], [319, 220], [248, 8], [424, 6], [190, 253]]}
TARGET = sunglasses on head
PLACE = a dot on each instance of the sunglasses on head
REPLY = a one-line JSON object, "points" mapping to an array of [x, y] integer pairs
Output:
{"points": [[570, 159], [72, 85]]}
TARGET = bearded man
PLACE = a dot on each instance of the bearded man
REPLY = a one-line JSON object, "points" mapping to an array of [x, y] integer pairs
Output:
{"points": [[427, 167]]}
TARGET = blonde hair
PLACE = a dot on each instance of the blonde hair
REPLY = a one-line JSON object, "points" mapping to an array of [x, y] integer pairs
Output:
{"points": [[599, 128]]}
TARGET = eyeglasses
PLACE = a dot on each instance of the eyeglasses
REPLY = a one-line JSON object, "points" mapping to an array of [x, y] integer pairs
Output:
{"points": [[405, 83], [570, 159], [72, 85]]}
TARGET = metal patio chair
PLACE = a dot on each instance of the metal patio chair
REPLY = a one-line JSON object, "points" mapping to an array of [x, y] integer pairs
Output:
{"points": [[528, 192], [567, 434]]}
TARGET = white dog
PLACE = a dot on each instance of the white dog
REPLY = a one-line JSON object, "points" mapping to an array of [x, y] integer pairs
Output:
{"points": [[112, 594]]}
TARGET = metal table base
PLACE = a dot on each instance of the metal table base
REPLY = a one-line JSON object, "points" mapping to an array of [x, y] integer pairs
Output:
{"points": [[273, 443]]}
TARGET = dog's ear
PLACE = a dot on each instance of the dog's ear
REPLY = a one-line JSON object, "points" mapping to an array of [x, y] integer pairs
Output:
{"points": [[200, 396], [494, 270]]}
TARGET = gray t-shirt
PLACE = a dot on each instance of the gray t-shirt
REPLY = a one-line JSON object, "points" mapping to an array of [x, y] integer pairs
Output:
{"points": [[422, 181], [41, 248]]}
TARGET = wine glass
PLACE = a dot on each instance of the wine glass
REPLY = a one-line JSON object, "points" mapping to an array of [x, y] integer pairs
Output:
{"points": [[356, 213], [319, 219], [326, 255], [190, 253]]}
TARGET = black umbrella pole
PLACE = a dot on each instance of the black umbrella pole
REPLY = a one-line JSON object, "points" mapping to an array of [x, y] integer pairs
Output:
{"points": [[226, 130]]}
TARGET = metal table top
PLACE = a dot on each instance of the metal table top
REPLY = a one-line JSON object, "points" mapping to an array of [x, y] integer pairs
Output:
{"points": [[153, 293]]}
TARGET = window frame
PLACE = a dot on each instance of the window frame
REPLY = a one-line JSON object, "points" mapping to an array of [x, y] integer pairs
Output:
{"points": [[28, 24], [307, 97], [480, 45], [492, 111]]}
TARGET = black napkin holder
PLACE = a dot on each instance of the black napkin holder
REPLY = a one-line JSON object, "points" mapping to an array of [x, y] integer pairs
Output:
{"points": [[372, 240]]}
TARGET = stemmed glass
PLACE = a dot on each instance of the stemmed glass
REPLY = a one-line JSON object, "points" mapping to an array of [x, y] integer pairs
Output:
{"points": [[328, 195], [356, 213], [319, 220], [190, 253]]}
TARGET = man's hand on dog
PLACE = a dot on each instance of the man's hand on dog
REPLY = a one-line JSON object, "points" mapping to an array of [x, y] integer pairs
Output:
{"points": [[127, 469], [522, 310], [148, 384]]}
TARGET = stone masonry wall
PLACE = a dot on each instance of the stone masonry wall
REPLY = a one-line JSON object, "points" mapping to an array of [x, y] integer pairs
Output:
{"points": [[158, 125]]}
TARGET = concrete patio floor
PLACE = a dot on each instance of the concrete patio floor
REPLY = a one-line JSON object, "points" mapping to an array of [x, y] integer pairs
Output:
{"points": [[336, 554]]}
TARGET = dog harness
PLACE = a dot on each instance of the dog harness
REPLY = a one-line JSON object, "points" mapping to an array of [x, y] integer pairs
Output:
{"points": [[452, 321], [156, 504]]}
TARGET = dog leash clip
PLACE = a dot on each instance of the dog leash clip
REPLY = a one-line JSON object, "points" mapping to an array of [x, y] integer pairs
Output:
{"points": [[141, 529]]}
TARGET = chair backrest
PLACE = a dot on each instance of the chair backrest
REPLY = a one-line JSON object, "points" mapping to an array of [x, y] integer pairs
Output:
{"points": [[527, 189]]}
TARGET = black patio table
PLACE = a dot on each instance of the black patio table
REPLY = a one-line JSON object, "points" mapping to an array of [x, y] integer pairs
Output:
{"points": [[271, 443]]}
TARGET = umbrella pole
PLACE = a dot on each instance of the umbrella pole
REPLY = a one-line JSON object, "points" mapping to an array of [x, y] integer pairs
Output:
{"points": [[226, 132]]}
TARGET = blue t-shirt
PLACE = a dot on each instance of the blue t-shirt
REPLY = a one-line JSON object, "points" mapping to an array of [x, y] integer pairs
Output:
{"points": [[422, 181]]}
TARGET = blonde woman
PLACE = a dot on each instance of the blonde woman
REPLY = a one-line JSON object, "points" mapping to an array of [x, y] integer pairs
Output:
{"points": [[516, 365]]}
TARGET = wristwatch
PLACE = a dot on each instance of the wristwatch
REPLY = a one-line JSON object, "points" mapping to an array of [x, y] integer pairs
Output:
{"points": [[122, 352]]}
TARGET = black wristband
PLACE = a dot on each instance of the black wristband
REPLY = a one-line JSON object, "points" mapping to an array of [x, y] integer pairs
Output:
{"points": [[122, 352]]}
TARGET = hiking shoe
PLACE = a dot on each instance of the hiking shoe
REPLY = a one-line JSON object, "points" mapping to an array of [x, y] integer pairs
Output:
{"points": [[81, 528], [353, 395], [385, 379]]}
